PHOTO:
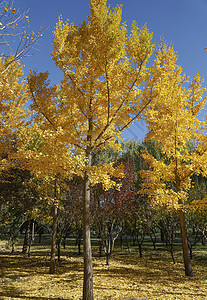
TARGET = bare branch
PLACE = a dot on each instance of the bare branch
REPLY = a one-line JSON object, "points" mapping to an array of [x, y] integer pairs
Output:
{"points": [[16, 37]]}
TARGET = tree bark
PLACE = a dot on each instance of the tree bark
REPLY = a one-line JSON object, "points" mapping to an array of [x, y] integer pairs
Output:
{"points": [[26, 236], [58, 248], [203, 241], [107, 258], [88, 271], [64, 241], [31, 238], [40, 236], [172, 252], [53, 243], [128, 245], [186, 256], [140, 250]]}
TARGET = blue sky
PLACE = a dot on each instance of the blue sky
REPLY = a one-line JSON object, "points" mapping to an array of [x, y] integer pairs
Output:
{"points": [[181, 22]]}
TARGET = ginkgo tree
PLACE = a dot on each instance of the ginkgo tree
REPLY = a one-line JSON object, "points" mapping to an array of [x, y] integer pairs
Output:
{"points": [[173, 123], [16, 41], [100, 95]]}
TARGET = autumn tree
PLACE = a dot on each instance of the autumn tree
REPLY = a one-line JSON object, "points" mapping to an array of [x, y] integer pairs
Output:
{"points": [[112, 208], [16, 41], [173, 121], [104, 70], [13, 96]]}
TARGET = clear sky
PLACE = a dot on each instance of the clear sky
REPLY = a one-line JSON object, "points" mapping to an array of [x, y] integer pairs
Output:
{"points": [[181, 22]]}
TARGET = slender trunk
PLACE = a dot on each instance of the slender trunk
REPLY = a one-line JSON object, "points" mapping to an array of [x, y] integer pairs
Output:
{"points": [[32, 238], [9, 243], [172, 253], [88, 268], [128, 245], [58, 248], [153, 239], [203, 241], [107, 259], [53, 243], [108, 250], [140, 241], [186, 256], [170, 238], [191, 251], [26, 236], [40, 237], [88, 271], [140, 250]]}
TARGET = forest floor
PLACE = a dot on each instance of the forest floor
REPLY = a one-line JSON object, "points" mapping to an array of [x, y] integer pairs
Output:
{"points": [[154, 276]]}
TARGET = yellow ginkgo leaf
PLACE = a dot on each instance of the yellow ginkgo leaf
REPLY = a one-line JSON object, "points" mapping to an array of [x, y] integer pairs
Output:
{"points": [[6, 8], [206, 48], [13, 10]]}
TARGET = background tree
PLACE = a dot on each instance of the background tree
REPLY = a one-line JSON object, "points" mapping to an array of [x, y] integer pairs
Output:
{"points": [[112, 208], [173, 122]]}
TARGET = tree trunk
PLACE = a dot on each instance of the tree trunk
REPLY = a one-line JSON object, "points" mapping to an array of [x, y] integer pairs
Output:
{"points": [[203, 241], [153, 239], [64, 241], [128, 242], [26, 236], [140, 250], [88, 271], [107, 258], [58, 248], [9, 243], [53, 243], [191, 251], [40, 236], [186, 256], [32, 238], [172, 253]]}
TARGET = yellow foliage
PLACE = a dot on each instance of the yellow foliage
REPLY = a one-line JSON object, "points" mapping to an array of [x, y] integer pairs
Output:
{"points": [[173, 122], [98, 98], [13, 96]]}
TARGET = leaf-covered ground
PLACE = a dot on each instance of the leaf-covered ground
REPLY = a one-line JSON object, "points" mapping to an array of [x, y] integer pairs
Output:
{"points": [[154, 276]]}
